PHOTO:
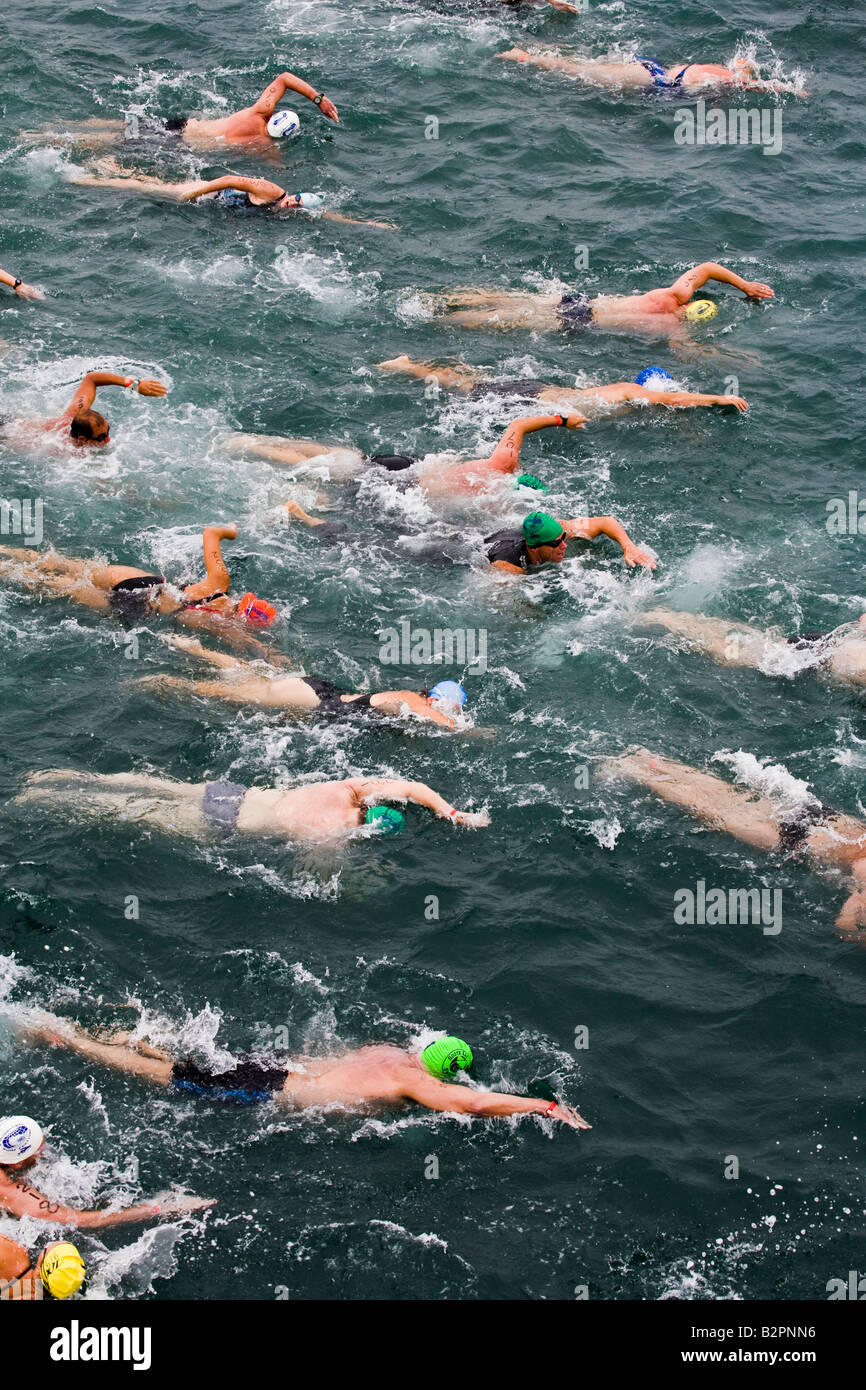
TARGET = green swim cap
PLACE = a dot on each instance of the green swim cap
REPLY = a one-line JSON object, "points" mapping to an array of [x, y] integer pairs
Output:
{"points": [[386, 819], [446, 1056], [530, 480], [539, 528]]}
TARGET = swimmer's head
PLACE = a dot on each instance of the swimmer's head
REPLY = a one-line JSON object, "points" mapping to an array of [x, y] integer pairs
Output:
{"points": [[62, 1270], [701, 310], [89, 427], [386, 820], [255, 610], [21, 1140], [530, 480], [543, 533], [445, 1057], [283, 124], [651, 374], [448, 693]]}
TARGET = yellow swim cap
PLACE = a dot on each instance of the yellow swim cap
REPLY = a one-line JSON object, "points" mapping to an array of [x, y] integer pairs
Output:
{"points": [[63, 1271], [701, 309]]}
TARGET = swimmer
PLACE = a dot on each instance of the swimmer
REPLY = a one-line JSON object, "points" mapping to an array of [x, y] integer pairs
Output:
{"points": [[313, 811], [259, 124], [23, 291], [135, 594], [649, 388], [59, 1271], [246, 684], [232, 193], [644, 74], [660, 311], [83, 427], [811, 829], [543, 539], [21, 1143], [381, 1075], [841, 654], [336, 462]]}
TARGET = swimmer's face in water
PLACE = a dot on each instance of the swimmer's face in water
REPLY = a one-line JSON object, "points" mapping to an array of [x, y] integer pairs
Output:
{"points": [[551, 554], [89, 429]]}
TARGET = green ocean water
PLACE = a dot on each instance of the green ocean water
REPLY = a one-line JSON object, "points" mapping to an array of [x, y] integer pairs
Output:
{"points": [[704, 1042]]}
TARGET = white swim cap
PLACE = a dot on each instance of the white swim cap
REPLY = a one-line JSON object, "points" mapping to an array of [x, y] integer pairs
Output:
{"points": [[284, 123], [311, 201], [20, 1138]]}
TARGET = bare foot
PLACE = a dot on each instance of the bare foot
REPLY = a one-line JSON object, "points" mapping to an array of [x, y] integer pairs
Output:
{"points": [[395, 364]]}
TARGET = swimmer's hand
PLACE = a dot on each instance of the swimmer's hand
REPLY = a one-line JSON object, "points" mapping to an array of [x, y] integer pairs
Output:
{"points": [[633, 556], [755, 290], [576, 421], [180, 1204], [564, 6], [519, 55], [737, 401], [569, 1117], [29, 292], [147, 387], [473, 820], [328, 109]]}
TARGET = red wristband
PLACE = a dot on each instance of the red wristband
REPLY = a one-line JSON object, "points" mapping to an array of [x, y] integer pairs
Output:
{"points": [[551, 1107], [453, 812], [559, 420]]}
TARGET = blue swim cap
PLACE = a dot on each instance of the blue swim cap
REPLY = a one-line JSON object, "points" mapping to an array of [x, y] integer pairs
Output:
{"points": [[649, 372], [450, 692], [385, 819]]}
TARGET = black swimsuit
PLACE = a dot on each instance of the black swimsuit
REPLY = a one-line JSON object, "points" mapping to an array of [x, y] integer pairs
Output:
{"points": [[528, 387], [508, 545], [331, 702], [133, 597], [248, 1082], [795, 829]]}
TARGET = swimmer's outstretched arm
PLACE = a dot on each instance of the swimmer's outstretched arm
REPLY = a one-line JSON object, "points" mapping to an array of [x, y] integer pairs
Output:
{"points": [[438, 1095], [626, 391], [217, 575], [506, 455], [287, 82], [20, 1199], [588, 527], [373, 789], [23, 291], [90, 384], [360, 221], [694, 279], [259, 188]]}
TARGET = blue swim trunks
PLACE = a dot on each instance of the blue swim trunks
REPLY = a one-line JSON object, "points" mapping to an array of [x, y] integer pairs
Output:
{"points": [[657, 73], [248, 1082]]}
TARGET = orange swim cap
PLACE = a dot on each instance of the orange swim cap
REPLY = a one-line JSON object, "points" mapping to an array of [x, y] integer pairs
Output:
{"points": [[256, 610]]}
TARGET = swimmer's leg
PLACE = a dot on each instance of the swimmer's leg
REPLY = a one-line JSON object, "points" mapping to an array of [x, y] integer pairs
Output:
{"points": [[222, 660], [730, 644], [45, 561], [459, 378], [586, 69], [716, 803], [249, 692], [138, 184], [149, 1063], [339, 462], [296, 510]]}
